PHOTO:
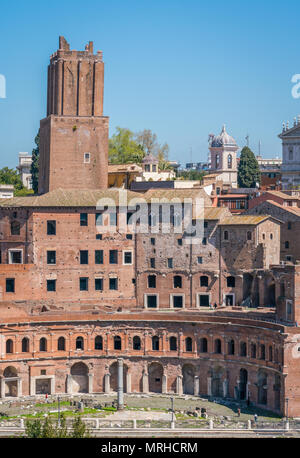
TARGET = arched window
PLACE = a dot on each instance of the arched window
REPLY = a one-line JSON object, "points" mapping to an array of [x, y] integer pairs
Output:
{"points": [[262, 352], [217, 161], [231, 347], [225, 235], [9, 346], [155, 343], [177, 281], [229, 161], [253, 350], [173, 343], [136, 343], [204, 280], [243, 349], [25, 345], [79, 343], [188, 344], [203, 345], [43, 344], [218, 346], [152, 219], [15, 228], [230, 282], [98, 343], [61, 344], [117, 343], [270, 353]]}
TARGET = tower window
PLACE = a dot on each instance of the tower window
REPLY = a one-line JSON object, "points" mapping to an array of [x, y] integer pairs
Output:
{"points": [[87, 158], [229, 161], [51, 227]]}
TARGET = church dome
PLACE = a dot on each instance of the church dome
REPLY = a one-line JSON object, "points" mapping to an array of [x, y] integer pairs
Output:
{"points": [[222, 140]]}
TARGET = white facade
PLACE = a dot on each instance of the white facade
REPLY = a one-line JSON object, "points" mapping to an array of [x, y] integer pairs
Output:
{"points": [[290, 168], [6, 191], [25, 161]]}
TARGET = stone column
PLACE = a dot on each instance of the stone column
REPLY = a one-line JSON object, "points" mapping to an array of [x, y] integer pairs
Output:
{"points": [[209, 386], [32, 386], [164, 384], [179, 389], [52, 385], [90, 383], [145, 382], [2, 387], [107, 383], [196, 385], [128, 382], [69, 384], [19, 387], [120, 384]]}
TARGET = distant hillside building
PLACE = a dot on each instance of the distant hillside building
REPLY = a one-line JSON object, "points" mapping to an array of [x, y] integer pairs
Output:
{"points": [[25, 161], [223, 150]]}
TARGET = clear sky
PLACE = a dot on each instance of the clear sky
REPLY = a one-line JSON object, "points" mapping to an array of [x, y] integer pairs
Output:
{"points": [[181, 68]]}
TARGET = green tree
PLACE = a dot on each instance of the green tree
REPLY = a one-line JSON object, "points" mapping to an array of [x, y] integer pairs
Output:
{"points": [[33, 428], [47, 429], [248, 170], [148, 140], [35, 164], [79, 428], [123, 149], [11, 176], [191, 175]]}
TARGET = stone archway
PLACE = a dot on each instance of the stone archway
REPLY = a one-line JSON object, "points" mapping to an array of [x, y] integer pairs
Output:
{"points": [[79, 378], [10, 375], [217, 382], [113, 372], [262, 387], [155, 372], [188, 377], [243, 384]]}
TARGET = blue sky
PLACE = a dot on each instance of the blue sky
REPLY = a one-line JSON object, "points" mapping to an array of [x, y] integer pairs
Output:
{"points": [[179, 68]]}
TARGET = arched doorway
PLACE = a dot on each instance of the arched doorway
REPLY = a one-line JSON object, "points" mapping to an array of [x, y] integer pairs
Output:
{"points": [[113, 370], [277, 392], [216, 382], [155, 377], [243, 384], [188, 375], [11, 387], [79, 374], [262, 386]]}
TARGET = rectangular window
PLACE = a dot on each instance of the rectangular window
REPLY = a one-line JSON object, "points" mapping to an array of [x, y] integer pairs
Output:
{"points": [[204, 241], [51, 257], [113, 283], [129, 236], [10, 285], [170, 263], [51, 227], [51, 285], [177, 301], [15, 256], [152, 263], [152, 240], [179, 241], [84, 257], [127, 257], [87, 158], [200, 260], [83, 219], [99, 284], [99, 219], [83, 284], [98, 256], [98, 236], [112, 218], [151, 281], [151, 301], [113, 256]]}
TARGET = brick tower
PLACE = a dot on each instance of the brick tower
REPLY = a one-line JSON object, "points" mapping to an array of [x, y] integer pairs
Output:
{"points": [[74, 136]]}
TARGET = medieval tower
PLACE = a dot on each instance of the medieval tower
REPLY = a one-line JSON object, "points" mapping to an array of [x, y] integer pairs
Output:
{"points": [[74, 135]]}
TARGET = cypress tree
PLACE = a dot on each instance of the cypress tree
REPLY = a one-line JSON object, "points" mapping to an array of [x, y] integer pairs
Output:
{"points": [[35, 164], [248, 170]]}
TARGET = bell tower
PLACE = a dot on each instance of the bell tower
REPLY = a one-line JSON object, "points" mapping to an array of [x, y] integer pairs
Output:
{"points": [[74, 135]]}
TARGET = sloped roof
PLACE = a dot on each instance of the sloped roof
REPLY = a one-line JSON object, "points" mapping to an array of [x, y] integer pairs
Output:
{"points": [[248, 220]]}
